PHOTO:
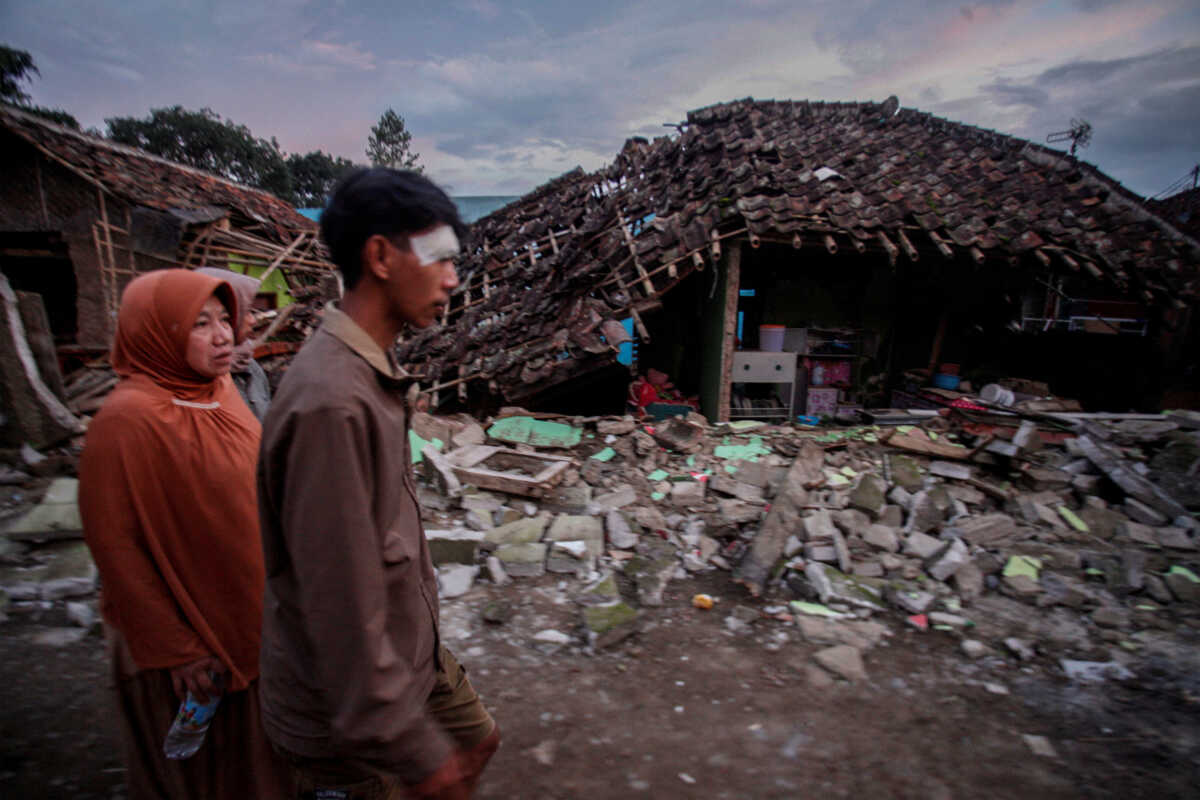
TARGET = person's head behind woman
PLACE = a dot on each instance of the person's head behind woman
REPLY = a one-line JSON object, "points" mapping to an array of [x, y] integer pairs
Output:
{"points": [[175, 327]]}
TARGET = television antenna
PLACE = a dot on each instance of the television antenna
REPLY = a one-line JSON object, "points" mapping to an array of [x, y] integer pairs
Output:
{"points": [[1080, 134]]}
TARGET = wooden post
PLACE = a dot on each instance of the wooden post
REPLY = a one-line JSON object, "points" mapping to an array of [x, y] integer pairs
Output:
{"points": [[733, 282]]}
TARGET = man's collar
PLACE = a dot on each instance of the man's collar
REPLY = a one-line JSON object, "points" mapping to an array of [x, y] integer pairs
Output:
{"points": [[340, 325]]}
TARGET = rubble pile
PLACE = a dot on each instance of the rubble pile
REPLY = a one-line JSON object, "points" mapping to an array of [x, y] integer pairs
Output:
{"points": [[1027, 543], [1074, 549]]}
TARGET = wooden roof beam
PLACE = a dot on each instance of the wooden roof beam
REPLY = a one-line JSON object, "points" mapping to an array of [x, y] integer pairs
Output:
{"points": [[942, 245], [892, 251], [909, 250]]}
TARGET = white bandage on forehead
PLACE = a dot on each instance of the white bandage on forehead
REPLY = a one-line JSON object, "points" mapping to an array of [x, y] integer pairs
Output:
{"points": [[440, 244]]}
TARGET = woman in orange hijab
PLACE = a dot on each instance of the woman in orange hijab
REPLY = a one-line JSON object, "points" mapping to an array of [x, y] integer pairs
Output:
{"points": [[169, 512]]}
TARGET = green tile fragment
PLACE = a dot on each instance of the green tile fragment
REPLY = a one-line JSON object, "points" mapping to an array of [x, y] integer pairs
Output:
{"points": [[1185, 572], [604, 455], [1073, 519], [1023, 565]]}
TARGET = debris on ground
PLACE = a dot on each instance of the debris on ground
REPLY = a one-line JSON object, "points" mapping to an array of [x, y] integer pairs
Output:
{"points": [[1069, 543]]}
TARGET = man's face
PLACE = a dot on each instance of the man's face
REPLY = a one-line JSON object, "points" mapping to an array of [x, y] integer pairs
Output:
{"points": [[421, 275]]}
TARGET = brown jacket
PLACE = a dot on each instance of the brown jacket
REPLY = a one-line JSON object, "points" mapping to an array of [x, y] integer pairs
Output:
{"points": [[350, 612]]}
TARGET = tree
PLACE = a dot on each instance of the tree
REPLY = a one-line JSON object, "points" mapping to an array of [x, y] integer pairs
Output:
{"points": [[16, 66], [388, 145], [314, 175], [202, 139]]}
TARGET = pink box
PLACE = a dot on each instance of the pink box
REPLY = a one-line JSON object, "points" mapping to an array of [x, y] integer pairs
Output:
{"points": [[822, 402]]}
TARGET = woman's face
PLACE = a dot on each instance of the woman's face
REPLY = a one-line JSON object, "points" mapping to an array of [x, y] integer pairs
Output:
{"points": [[210, 343]]}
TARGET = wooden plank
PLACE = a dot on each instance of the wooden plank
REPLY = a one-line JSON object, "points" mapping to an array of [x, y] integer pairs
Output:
{"points": [[916, 441], [733, 282], [279, 259], [471, 455], [513, 483], [647, 285]]}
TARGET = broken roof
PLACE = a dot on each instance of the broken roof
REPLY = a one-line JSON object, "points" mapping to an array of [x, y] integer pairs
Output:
{"points": [[541, 276], [1181, 210], [154, 182]]}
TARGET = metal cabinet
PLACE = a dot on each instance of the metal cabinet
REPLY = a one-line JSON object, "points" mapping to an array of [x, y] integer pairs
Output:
{"points": [[754, 366]]}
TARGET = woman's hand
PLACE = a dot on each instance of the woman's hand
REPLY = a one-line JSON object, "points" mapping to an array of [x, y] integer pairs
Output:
{"points": [[196, 678]]}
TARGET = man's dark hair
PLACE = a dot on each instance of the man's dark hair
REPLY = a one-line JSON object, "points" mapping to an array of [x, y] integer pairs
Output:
{"points": [[384, 201]]}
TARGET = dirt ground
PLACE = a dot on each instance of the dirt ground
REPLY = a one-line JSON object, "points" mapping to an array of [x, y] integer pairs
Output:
{"points": [[689, 708]]}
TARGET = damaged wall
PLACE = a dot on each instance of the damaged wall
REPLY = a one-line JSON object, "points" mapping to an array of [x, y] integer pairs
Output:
{"points": [[40, 195]]}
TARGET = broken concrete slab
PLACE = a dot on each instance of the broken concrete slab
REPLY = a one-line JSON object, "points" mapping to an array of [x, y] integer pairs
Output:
{"points": [[1094, 671], [616, 427], [922, 545], [860, 634], [835, 587], [900, 498], [952, 469], [609, 624], [679, 435], [903, 471], [868, 496], [882, 537], [988, 530], [455, 580], [55, 517], [568, 499], [573, 528], [620, 530], [1020, 586], [1140, 512], [734, 488], [924, 513], [496, 571], [455, 546], [572, 557], [1183, 583], [1133, 484], [782, 519], [913, 601], [440, 472], [843, 661], [651, 569], [525, 560], [620, 497], [947, 561], [892, 516], [1175, 538], [522, 531], [851, 521], [819, 527], [688, 494]]}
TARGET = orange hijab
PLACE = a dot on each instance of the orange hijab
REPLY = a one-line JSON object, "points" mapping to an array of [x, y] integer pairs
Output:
{"points": [[167, 492]]}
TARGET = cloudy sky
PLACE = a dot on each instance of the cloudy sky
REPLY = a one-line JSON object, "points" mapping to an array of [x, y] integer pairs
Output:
{"points": [[501, 96]]}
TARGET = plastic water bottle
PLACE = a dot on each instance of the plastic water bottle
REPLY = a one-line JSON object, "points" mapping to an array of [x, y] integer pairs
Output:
{"points": [[191, 724]]}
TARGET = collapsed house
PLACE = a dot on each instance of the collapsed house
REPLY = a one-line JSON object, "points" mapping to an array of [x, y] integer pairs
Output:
{"points": [[81, 216], [896, 238]]}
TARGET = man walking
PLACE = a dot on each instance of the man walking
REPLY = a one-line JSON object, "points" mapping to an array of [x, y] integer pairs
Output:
{"points": [[357, 691]]}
